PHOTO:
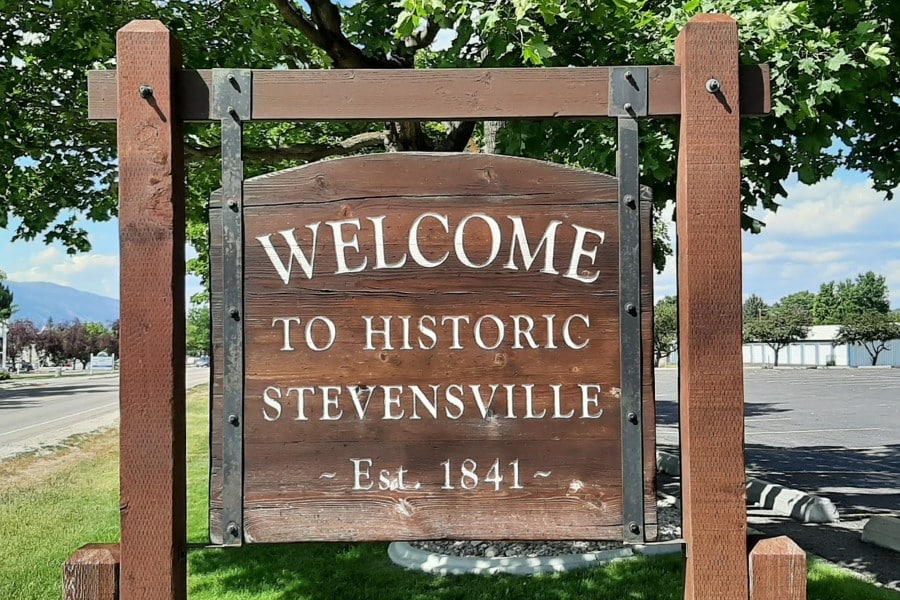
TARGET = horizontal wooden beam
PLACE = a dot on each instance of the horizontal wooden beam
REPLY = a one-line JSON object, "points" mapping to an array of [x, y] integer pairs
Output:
{"points": [[428, 94]]}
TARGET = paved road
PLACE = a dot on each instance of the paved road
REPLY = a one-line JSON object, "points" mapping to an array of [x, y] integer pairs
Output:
{"points": [[41, 412]]}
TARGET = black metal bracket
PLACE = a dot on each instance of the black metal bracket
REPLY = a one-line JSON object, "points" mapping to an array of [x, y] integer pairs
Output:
{"points": [[628, 96], [232, 89], [628, 91]]}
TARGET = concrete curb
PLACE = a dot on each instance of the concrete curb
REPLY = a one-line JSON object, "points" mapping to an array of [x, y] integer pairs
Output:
{"points": [[800, 506], [883, 531], [404, 555]]}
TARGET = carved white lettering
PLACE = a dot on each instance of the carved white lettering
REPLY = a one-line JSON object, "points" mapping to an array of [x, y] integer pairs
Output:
{"points": [[360, 473], [286, 321], [587, 399], [380, 260], [385, 333], [392, 400], [579, 251], [501, 332], [341, 245], [414, 250], [459, 240], [557, 408], [271, 402], [296, 253], [567, 336], [520, 239], [332, 333]]}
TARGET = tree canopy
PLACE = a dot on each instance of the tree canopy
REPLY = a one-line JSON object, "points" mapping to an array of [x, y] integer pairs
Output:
{"points": [[198, 332], [6, 301], [871, 330], [780, 327], [833, 79], [840, 302], [665, 328]]}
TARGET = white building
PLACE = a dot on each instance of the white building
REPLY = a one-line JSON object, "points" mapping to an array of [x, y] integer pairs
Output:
{"points": [[819, 349]]}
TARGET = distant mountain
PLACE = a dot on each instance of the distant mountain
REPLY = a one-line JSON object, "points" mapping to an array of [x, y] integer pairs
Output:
{"points": [[40, 301]]}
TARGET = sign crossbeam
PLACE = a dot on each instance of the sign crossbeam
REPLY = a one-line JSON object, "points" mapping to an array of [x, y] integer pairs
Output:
{"points": [[480, 94]]}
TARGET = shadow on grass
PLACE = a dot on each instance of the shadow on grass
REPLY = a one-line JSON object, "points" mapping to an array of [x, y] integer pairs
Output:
{"points": [[318, 571]]}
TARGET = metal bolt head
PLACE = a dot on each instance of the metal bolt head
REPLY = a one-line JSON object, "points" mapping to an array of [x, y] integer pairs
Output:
{"points": [[628, 107], [629, 200], [232, 111], [713, 86], [233, 420], [630, 308], [632, 418], [234, 313], [145, 91], [232, 79], [634, 527], [629, 76], [232, 529], [232, 204]]}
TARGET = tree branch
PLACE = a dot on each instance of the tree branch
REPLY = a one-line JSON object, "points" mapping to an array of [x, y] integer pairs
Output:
{"points": [[323, 28], [301, 152], [297, 19], [424, 39], [458, 137]]}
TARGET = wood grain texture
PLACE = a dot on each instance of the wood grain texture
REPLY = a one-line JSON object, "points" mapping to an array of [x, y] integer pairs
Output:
{"points": [[92, 573], [298, 468], [152, 389], [438, 94], [709, 312], [777, 570]]}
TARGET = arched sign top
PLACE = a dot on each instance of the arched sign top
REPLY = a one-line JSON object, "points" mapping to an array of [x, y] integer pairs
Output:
{"points": [[431, 174]]}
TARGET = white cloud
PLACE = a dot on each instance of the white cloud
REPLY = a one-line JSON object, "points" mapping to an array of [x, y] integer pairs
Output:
{"points": [[96, 273], [829, 208], [830, 231]]}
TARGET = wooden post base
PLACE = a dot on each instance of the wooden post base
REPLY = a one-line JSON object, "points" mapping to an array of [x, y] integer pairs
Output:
{"points": [[777, 570], [92, 573]]}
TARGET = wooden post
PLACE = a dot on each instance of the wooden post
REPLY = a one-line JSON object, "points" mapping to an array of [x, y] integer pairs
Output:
{"points": [[709, 310], [152, 390], [777, 570], [92, 572]]}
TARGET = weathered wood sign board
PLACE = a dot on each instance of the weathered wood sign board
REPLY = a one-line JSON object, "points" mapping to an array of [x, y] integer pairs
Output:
{"points": [[431, 350]]}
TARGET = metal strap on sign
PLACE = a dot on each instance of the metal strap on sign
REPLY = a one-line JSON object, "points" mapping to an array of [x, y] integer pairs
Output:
{"points": [[629, 92], [232, 90]]}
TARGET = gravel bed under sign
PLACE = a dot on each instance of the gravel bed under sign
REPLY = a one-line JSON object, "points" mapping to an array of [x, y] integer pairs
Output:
{"points": [[669, 529]]}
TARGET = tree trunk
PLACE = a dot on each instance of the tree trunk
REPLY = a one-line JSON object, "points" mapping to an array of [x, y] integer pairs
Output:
{"points": [[491, 130]]}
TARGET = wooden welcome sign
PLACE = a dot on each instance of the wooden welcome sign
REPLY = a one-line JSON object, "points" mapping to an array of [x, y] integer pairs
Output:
{"points": [[431, 346], [432, 350]]}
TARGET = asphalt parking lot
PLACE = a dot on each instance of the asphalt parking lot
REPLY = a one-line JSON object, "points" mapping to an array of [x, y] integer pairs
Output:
{"points": [[833, 432]]}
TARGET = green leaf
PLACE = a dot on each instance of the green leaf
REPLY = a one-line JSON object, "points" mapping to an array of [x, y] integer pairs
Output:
{"points": [[536, 50], [806, 174], [837, 61], [826, 86], [807, 65], [878, 55]]}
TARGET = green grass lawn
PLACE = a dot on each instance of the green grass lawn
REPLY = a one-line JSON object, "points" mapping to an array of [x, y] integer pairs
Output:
{"points": [[51, 505]]}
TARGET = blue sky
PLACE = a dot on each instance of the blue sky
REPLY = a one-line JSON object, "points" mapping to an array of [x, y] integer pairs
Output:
{"points": [[833, 230]]}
